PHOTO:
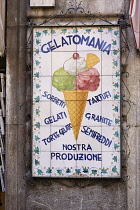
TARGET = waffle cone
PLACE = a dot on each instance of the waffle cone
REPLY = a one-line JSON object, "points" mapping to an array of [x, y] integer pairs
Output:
{"points": [[76, 103]]}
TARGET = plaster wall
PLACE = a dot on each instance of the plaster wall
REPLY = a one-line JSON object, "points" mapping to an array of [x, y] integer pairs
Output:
{"points": [[105, 7], [24, 192]]}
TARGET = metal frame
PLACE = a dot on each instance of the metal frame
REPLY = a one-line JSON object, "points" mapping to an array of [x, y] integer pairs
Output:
{"points": [[75, 13]]}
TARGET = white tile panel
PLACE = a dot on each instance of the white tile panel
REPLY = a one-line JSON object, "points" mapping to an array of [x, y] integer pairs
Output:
{"points": [[58, 150], [42, 3]]}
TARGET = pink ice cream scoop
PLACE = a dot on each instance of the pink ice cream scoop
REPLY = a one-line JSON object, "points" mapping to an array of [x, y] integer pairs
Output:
{"points": [[88, 80]]}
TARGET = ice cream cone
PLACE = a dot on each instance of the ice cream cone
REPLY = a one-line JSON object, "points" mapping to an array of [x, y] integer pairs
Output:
{"points": [[76, 102]]}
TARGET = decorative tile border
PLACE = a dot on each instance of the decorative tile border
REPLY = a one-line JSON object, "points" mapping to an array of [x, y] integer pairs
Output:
{"points": [[39, 167]]}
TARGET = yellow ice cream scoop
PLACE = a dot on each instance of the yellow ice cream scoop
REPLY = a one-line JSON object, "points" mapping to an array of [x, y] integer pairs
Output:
{"points": [[91, 60]]}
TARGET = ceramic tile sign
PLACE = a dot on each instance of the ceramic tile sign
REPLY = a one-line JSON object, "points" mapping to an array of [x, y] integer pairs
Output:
{"points": [[76, 102]]}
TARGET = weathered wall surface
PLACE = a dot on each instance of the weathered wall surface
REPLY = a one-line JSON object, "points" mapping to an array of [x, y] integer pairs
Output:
{"points": [[24, 192], [15, 109], [105, 7], [133, 121], [55, 196]]}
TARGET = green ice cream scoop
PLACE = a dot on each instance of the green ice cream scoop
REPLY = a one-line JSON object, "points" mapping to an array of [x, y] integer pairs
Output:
{"points": [[62, 80]]}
